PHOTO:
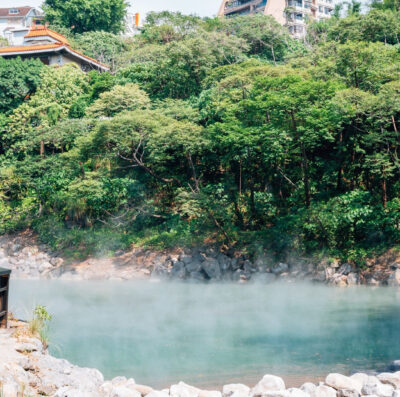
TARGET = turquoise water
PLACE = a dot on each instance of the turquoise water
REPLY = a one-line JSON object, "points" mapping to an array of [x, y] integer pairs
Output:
{"points": [[209, 335]]}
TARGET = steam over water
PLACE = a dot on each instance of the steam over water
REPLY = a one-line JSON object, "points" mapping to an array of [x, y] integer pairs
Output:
{"points": [[210, 335]]}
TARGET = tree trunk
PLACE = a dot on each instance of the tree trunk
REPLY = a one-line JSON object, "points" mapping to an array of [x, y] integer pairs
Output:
{"points": [[304, 164], [384, 193]]}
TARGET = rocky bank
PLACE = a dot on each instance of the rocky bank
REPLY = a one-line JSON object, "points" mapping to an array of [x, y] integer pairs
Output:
{"points": [[29, 259], [26, 369]]}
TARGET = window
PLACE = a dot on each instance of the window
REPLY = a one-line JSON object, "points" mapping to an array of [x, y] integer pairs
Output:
{"points": [[307, 4], [327, 11], [296, 29], [321, 9], [299, 16], [13, 11]]}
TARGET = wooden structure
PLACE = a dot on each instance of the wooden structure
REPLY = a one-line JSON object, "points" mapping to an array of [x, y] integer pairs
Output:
{"points": [[4, 285]]}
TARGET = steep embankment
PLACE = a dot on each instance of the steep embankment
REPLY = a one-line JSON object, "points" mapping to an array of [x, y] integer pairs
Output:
{"points": [[28, 259]]}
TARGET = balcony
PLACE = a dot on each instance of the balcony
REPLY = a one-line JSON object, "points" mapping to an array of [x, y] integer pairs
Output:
{"points": [[242, 7]]}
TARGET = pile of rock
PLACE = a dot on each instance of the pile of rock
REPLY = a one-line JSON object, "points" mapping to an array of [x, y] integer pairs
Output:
{"points": [[26, 258], [213, 265]]}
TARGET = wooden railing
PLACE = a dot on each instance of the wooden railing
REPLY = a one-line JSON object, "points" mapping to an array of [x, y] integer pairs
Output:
{"points": [[4, 287]]}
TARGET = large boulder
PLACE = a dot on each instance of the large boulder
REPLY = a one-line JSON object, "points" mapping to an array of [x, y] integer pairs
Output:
{"points": [[390, 378], [280, 268], [363, 378], [377, 388], [224, 262], [308, 388], [345, 269], [178, 271], [235, 390], [212, 269], [183, 390], [338, 382], [194, 265], [295, 392], [267, 384]]}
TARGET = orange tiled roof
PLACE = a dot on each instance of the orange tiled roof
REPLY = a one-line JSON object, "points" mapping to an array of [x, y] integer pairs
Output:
{"points": [[41, 30], [30, 47]]}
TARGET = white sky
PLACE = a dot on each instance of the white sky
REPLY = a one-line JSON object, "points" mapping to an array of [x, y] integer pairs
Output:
{"points": [[201, 8]]}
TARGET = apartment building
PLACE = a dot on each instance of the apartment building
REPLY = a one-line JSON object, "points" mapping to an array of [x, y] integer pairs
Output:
{"points": [[291, 13]]}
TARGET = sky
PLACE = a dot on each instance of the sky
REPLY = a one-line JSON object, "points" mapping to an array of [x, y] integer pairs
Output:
{"points": [[201, 8]]}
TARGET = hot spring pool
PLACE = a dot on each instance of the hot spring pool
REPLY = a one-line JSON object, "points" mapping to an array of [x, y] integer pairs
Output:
{"points": [[210, 335]]}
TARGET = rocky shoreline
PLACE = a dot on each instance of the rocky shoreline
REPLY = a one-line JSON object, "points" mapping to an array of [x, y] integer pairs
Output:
{"points": [[27, 369], [31, 260]]}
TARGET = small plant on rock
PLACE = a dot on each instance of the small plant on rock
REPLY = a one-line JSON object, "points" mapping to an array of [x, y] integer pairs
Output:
{"points": [[39, 325]]}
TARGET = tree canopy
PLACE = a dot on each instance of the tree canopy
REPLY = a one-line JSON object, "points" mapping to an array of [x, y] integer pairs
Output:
{"points": [[87, 15], [207, 130]]}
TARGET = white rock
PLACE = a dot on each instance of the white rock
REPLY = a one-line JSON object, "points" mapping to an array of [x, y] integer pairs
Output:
{"points": [[360, 377], [122, 391], [71, 392], [379, 389], [348, 393], [308, 388], [295, 392], [266, 384], [142, 389], [9, 390], [339, 381], [324, 391], [119, 380], [236, 389], [390, 379], [210, 393], [105, 389], [183, 390], [156, 393]]}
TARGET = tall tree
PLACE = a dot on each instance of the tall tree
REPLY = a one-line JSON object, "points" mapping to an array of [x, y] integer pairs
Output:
{"points": [[87, 15]]}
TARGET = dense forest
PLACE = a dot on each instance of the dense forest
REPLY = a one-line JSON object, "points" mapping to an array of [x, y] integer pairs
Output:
{"points": [[225, 131]]}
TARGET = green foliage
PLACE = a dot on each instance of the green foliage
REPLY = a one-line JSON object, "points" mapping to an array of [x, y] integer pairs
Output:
{"points": [[103, 46], [18, 81], [58, 90], [118, 99], [225, 131], [87, 15], [39, 325]]}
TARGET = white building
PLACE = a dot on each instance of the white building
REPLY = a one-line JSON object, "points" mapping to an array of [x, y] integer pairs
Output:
{"points": [[291, 13], [15, 22]]}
